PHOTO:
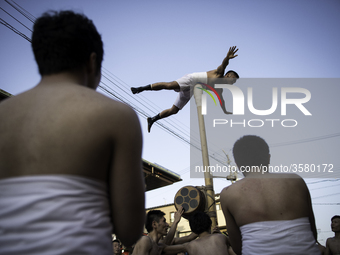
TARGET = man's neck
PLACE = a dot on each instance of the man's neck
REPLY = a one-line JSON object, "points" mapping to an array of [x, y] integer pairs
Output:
{"points": [[204, 234], [337, 235], [76, 78], [255, 174], [155, 236]]}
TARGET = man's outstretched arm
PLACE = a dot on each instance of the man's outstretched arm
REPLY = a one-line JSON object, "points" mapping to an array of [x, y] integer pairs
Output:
{"points": [[231, 54], [170, 236], [174, 249], [184, 239]]}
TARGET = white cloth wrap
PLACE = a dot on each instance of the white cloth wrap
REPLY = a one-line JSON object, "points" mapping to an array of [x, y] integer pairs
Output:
{"points": [[279, 237], [54, 214]]}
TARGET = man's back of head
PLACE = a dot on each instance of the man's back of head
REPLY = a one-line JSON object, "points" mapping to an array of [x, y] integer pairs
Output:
{"points": [[200, 222], [251, 150], [63, 41]]}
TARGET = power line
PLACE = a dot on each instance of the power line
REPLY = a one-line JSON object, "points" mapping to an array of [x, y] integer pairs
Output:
{"points": [[325, 203], [14, 30], [332, 180], [22, 11], [326, 195], [307, 140], [16, 20]]}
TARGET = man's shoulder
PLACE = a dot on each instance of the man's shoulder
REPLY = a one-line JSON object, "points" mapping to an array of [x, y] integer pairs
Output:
{"points": [[233, 188], [330, 239], [218, 236], [103, 105], [109, 115], [213, 74], [144, 241]]}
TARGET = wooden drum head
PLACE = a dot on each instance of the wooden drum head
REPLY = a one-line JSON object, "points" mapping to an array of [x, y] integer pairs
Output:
{"points": [[191, 199]]}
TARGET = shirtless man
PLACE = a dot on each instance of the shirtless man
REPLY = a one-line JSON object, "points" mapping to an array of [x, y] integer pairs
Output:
{"points": [[267, 213], [185, 85], [67, 152], [333, 243], [207, 243], [157, 227]]}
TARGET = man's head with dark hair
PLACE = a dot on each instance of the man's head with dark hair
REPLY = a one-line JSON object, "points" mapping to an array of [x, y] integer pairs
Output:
{"points": [[335, 223], [335, 217], [116, 241], [63, 41], [231, 77], [154, 215], [116, 247], [234, 73], [251, 150], [200, 222]]}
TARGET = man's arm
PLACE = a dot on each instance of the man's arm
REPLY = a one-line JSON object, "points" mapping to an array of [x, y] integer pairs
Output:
{"points": [[174, 249], [231, 54], [185, 239], [126, 176], [234, 232], [170, 236]]}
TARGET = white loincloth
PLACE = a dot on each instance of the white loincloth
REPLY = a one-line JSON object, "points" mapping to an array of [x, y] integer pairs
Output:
{"points": [[187, 83], [54, 214], [279, 237]]}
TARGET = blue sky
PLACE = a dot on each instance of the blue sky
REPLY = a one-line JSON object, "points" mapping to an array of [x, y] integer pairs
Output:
{"points": [[151, 41]]}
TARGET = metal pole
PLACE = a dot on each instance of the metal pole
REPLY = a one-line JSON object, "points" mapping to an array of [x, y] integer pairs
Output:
{"points": [[209, 185]]}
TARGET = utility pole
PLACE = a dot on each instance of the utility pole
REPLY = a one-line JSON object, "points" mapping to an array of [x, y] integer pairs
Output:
{"points": [[209, 185], [233, 175]]}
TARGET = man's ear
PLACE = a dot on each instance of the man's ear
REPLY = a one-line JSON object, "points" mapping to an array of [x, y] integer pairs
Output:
{"points": [[92, 63], [154, 225]]}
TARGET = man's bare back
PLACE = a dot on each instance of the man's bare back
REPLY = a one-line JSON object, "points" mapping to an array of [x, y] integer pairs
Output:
{"points": [[263, 197], [205, 244], [72, 126], [67, 129], [258, 193], [211, 244]]}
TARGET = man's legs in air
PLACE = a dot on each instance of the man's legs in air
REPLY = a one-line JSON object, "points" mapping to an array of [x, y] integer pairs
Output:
{"points": [[156, 86], [166, 113]]}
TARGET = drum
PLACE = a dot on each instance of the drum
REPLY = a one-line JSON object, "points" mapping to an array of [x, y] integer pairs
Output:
{"points": [[192, 199]]}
